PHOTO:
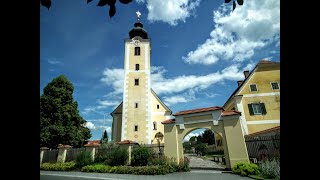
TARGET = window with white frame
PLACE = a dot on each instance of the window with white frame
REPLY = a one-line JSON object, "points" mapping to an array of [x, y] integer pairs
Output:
{"points": [[257, 109], [275, 85], [253, 87]]}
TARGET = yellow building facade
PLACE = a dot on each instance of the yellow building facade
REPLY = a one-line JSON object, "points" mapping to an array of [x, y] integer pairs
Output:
{"points": [[258, 98], [139, 116]]}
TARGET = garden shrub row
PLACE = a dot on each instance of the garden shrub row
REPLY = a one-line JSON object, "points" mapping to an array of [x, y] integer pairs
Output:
{"points": [[68, 166]]}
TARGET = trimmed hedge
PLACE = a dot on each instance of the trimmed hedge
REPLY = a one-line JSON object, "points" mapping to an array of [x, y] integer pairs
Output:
{"points": [[245, 169], [156, 167], [68, 166], [170, 167]]}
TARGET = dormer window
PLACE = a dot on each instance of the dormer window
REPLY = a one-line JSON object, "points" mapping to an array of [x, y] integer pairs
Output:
{"points": [[253, 88], [137, 51], [275, 85]]}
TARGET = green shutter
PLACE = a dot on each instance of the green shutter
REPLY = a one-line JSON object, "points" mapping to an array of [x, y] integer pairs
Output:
{"points": [[250, 109], [263, 108]]}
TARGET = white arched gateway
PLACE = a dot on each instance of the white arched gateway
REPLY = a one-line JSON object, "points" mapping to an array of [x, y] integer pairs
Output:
{"points": [[225, 123]]}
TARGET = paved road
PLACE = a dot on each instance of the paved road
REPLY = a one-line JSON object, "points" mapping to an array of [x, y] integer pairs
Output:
{"points": [[196, 162], [193, 175]]}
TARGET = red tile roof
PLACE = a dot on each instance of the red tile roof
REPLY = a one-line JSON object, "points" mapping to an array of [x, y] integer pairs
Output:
{"points": [[169, 121], [267, 62], [277, 128], [127, 142], [93, 143], [230, 113], [64, 146], [198, 110]]}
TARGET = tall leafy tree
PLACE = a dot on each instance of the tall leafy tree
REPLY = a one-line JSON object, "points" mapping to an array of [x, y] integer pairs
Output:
{"points": [[60, 121], [208, 137], [104, 138]]}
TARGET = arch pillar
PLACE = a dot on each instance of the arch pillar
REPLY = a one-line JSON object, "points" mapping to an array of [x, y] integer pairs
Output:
{"points": [[234, 146]]}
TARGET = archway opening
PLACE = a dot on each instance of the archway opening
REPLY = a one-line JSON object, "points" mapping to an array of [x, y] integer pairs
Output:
{"points": [[202, 142]]}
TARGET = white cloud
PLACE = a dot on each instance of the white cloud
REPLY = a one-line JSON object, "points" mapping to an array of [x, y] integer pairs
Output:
{"points": [[108, 128], [99, 120], [140, 1], [170, 11], [54, 61], [185, 97], [268, 58], [187, 137], [102, 104], [163, 85], [114, 77], [90, 125], [238, 34]]}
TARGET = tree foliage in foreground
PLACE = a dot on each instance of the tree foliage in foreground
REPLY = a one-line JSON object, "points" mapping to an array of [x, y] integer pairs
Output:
{"points": [[101, 3], [60, 121], [112, 7]]}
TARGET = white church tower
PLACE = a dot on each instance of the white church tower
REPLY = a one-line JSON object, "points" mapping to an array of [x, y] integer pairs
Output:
{"points": [[138, 118]]}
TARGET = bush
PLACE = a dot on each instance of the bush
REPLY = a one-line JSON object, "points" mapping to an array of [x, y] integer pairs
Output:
{"points": [[270, 169], [83, 158], [201, 149], [184, 165], [102, 154], [140, 156], [245, 169], [68, 166], [101, 168], [117, 156]]}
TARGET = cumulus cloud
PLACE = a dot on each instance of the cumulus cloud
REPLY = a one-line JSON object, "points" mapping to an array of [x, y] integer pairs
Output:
{"points": [[90, 125], [102, 104], [170, 11], [185, 97], [108, 128], [114, 77], [237, 35], [190, 83]]}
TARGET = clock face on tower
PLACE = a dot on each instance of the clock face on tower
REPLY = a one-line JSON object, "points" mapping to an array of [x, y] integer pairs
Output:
{"points": [[136, 42]]}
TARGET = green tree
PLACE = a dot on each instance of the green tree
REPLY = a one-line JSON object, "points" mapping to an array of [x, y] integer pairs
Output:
{"points": [[104, 138], [60, 122], [208, 137]]}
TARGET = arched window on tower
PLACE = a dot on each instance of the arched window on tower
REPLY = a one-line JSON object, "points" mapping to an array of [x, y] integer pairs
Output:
{"points": [[137, 51], [154, 125]]}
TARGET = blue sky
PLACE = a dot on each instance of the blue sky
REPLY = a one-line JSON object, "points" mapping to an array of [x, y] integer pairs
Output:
{"points": [[199, 50]]}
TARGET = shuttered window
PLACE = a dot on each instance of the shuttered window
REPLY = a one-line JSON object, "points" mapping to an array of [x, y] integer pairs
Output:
{"points": [[257, 108]]}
